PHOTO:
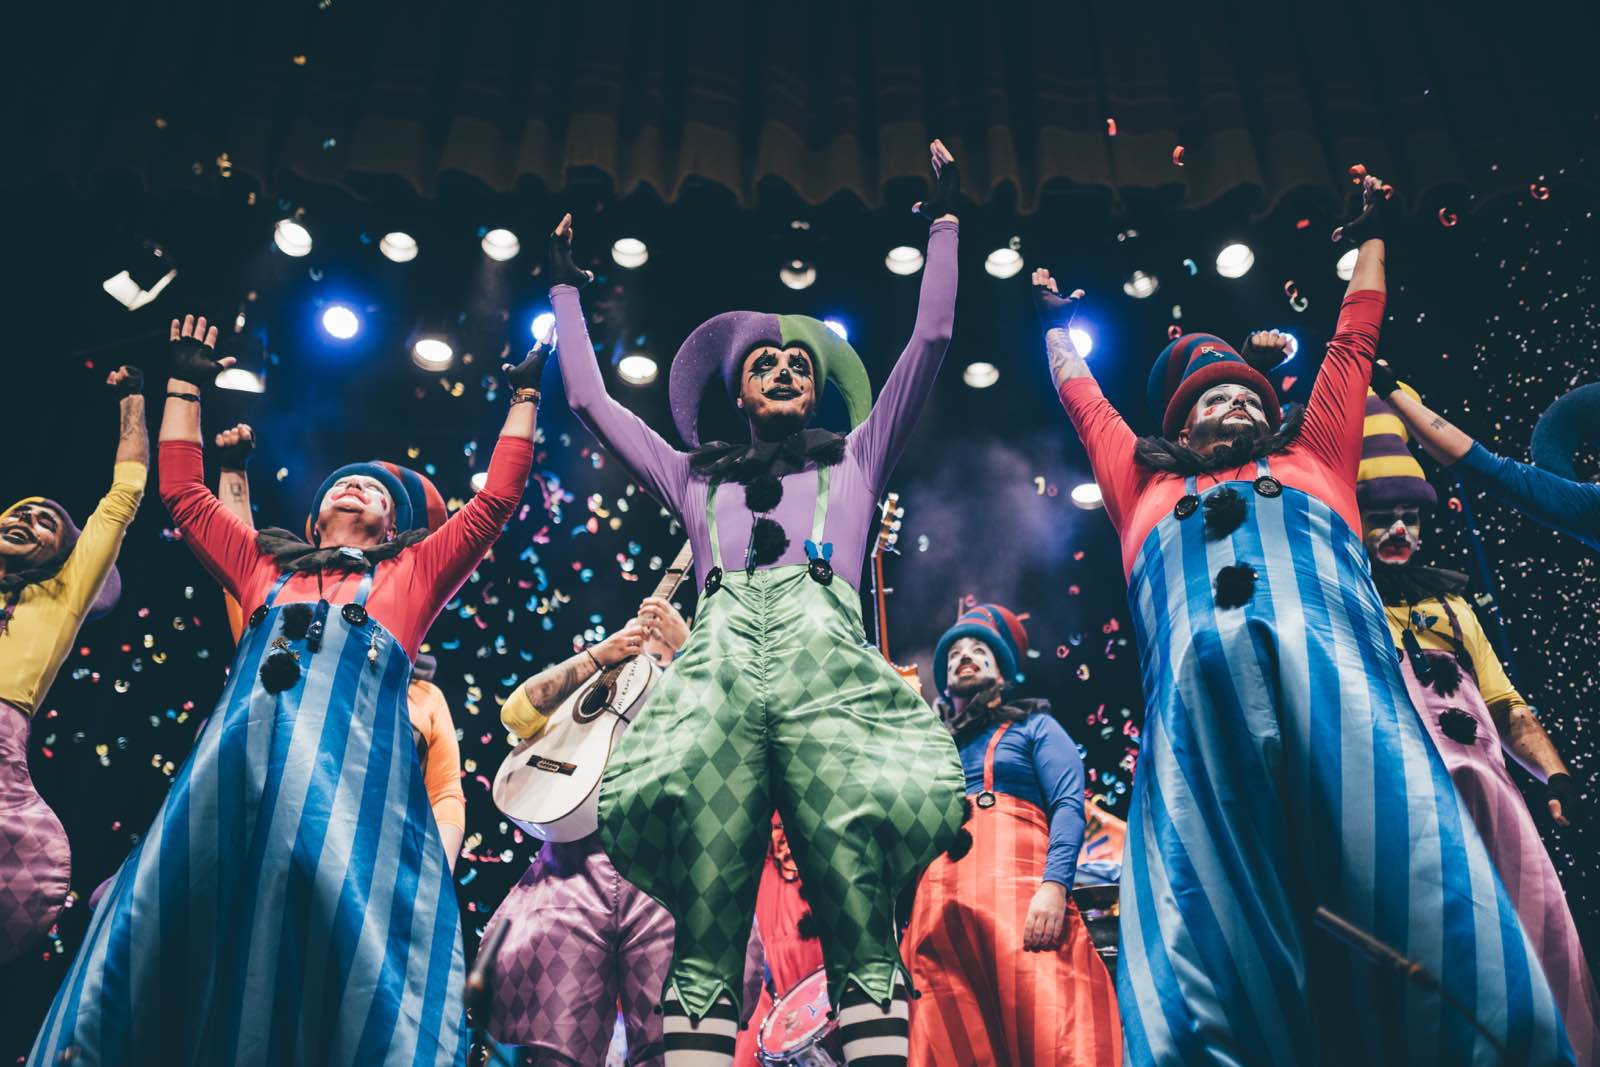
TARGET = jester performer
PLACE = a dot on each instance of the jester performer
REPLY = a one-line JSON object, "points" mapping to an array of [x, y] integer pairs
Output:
{"points": [[1283, 767], [1008, 974], [53, 577], [1473, 713], [292, 901], [777, 701], [581, 940]]}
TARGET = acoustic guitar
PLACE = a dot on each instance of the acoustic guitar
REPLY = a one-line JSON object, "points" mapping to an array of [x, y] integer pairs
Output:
{"points": [[889, 522]]}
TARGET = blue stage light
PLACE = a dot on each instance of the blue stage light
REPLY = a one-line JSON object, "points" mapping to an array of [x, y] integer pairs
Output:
{"points": [[340, 322], [543, 323], [837, 327]]}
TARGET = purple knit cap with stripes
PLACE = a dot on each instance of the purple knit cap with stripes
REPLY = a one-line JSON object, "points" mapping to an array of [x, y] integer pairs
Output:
{"points": [[1389, 475]]}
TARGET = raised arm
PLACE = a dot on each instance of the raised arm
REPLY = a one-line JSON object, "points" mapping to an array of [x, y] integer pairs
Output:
{"points": [[662, 470], [528, 708], [881, 438]]}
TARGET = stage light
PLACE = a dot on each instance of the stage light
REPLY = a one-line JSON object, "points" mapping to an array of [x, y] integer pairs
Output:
{"points": [[837, 327], [1003, 262], [1081, 340], [240, 380], [630, 253], [797, 274], [340, 322], [292, 238], [637, 368], [399, 247], [479, 480], [432, 353], [903, 260], [1346, 267], [980, 375], [501, 245], [1086, 495], [543, 323], [1140, 285], [1292, 348], [1235, 261], [148, 271]]}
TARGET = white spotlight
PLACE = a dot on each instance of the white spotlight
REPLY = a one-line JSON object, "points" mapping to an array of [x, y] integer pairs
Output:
{"points": [[400, 247], [501, 245], [1003, 262], [636, 368], [542, 325], [479, 480], [1235, 261], [1346, 267], [240, 380], [1086, 495], [1140, 285], [980, 375], [1081, 341], [630, 253], [837, 327], [292, 238], [797, 274], [903, 260], [432, 353], [340, 322]]}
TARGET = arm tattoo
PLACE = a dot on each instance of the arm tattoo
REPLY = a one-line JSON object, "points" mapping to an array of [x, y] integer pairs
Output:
{"points": [[1065, 362], [1438, 422], [551, 686], [236, 490]]}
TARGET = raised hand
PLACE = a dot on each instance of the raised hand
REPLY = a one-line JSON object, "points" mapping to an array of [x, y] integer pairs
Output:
{"points": [[1376, 210], [1265, 349], [193, 347], [126, 381], [946, 185], [234, 446], [526, 375], [1054, 310], [559, 269]]}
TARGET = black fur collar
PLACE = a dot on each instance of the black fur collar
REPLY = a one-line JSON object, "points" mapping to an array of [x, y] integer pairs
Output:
{"points": [[1161, 454], [293, 554], [724, 462]]}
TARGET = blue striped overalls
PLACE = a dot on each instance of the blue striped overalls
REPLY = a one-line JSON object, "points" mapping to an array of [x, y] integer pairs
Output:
{"points": [[1283, 768]]}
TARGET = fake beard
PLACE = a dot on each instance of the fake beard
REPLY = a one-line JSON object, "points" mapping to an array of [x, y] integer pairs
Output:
{"points": [[973, 684]]}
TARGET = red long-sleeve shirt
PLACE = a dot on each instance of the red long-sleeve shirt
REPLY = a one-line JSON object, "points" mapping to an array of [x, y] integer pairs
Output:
{"points": [[1322, 461], [409, 591]]}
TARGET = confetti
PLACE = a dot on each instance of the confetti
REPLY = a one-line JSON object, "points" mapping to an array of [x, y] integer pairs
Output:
{"points": [[1111, 127], [1447, 218], [1177, 156]]}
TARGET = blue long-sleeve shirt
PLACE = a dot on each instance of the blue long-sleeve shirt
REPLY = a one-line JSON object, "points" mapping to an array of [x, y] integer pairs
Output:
{"points": [[1557, 502], [1037, 762]]}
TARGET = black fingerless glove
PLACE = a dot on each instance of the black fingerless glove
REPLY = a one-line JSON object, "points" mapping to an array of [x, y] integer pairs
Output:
{"points": [[1563, 788], [1262, 359], [942, 200], [1383, 379], [193, 362], [1374, 221], [526, 375], [236, 457], [132, 385], [559, 268], [1054, 310]]}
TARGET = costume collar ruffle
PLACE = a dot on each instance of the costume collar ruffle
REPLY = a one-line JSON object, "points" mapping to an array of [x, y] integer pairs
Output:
{"points": [[724, 462], [1407, 583], [292, 554]]}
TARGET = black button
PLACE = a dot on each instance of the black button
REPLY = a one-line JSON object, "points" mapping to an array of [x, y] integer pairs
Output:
{"points": [[257, 615], [354, 614], [713, 580], [821, 571], [986, 799], [1268, 486], [1187, 505]]}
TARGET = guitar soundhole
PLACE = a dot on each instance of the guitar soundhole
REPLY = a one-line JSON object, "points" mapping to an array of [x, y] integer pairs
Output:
{"points": [[594, 702]]}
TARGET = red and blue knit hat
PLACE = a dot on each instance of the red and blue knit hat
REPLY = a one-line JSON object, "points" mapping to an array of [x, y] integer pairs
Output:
{"points": [[1194, 363], [996, 627], [417, 501]]}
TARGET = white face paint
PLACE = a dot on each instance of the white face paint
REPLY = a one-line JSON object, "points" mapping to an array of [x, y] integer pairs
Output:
{"points": [[1392, 535], [1222, 413], [970, 666], [363, 499]]}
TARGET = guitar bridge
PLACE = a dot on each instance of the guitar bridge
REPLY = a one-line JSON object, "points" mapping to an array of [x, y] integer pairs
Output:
{"points": [[554, 766]]}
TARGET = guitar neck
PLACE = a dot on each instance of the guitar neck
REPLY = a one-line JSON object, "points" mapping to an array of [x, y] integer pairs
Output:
{"points": [[677, 570]]}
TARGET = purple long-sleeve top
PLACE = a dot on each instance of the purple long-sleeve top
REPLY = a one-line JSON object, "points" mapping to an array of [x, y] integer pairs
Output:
{"points": [[854, 484]]}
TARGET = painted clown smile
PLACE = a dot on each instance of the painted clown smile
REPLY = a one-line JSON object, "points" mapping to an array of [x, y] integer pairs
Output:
{"points": [[19, 534]]}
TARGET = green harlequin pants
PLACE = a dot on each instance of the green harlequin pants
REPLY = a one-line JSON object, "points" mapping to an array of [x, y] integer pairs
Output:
{"points": [[778, 702]]}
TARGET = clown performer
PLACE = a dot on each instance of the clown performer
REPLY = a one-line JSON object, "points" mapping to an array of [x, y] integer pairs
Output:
{"points": [[1473, 713], [581, 939], [53, 577], [1547, 491], [777, 700], [1283, 767], [292, 901], [1006, 968]]}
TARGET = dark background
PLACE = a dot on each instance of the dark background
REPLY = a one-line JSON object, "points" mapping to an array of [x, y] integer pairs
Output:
{"points": [[708, 135]]}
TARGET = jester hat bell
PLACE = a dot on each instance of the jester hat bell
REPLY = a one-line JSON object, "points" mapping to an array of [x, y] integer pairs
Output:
{"points": [[720, 345]]}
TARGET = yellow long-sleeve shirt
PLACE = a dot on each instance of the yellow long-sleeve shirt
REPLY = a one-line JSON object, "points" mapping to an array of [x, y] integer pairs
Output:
{"points": [[1497, 690], [48, 614]]}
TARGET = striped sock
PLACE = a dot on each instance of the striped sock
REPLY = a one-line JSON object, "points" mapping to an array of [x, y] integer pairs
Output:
{"points": [[874, 1036], [707, 1043]]}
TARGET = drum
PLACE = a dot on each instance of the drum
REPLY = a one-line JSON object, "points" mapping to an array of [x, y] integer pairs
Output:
{"points": [[797, 1032], [1098, 906]]}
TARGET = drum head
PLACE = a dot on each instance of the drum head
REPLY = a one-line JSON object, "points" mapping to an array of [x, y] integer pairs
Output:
{"points": [[799, 1020]]}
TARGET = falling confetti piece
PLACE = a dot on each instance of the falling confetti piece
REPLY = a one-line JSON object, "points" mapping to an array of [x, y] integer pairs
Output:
{"points": [[1111, 127], [300, 60], [1192, 267], [1177, 156], [1539, 191], [1302, 224], [1173, 333], [1447, 218]]}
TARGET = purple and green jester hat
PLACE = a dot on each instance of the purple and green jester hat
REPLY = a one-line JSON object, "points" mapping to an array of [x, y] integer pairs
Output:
{"points": [[721, 344]]}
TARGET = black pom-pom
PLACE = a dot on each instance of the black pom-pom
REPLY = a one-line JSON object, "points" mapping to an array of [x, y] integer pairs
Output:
{"points": [[966, 810], [1225, 512], [1439, 671], [807, 926], [1458, 726], [762, 493], [768, 541], [1236, 584], [296, 620], [961, 846], [280, 671]]}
